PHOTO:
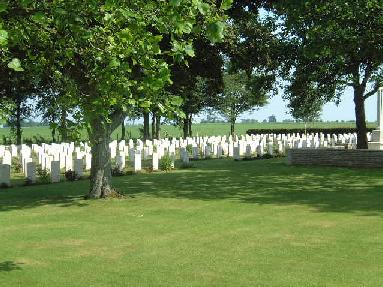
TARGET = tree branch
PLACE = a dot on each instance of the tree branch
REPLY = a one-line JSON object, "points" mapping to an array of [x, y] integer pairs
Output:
{"points": [[116, 118], [367, 74], [373, 91]]}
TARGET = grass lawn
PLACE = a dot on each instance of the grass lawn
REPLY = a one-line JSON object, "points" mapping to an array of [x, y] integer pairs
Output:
{"points": [[221, 223]]}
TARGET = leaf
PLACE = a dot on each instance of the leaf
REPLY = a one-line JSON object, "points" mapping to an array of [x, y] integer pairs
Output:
{"points": [[226, 4], [145, 104], [15, 65], [203, 8], [189, 50], [39, 17], [175, 2], [176, 101], [25, 3], [215, 31], [3, 37], [114, 63], [3, 6]]}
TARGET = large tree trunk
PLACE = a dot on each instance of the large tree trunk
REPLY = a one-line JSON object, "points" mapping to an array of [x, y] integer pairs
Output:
{"points": [[18, 123], [360, 115], [146, 126], [100, 174], [158, 127]]}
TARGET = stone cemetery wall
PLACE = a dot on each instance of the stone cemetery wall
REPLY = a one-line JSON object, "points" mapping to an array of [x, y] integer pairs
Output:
{"points": [[336, 157]]}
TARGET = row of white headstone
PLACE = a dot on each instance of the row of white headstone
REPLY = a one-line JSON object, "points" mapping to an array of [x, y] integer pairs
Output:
{"points": [[67, 156]]}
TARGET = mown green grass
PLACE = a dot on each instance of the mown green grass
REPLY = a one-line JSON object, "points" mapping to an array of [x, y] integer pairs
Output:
{"points": [[221, 223], [206, 129]]}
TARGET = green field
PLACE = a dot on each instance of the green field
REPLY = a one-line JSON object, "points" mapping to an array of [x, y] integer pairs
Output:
{"points": [[173, 131], [221, 223]]}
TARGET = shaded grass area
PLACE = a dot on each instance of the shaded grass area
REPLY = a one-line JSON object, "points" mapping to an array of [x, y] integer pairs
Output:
{"points": [[221, 223], [205, 129]]}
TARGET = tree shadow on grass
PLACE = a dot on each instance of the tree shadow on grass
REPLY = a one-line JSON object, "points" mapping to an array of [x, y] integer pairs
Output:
{"points": [[253, 182], [64, 194], [8, 266], [271, 182]]}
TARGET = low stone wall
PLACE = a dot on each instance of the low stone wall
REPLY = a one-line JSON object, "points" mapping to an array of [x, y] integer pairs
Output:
{"points": [[336, 157]]}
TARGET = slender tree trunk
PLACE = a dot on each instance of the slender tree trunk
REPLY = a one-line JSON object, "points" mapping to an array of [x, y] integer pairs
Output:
{"points": [[100, 174], [158, 126], [53, 133], [123, 129], [190, 125], [233, 117], [146, 126], [153, 125], [360, 116], [63, 125], [18, 123], [185, 126]]}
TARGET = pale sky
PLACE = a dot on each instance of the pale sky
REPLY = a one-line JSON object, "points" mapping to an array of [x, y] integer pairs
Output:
{"points": [[331, 112]]}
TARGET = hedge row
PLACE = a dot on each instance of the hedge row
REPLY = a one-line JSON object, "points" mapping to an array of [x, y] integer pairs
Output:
{"points": [[302, 131]]}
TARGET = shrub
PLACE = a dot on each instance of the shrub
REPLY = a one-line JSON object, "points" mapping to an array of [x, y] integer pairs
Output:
{"points": [[6, 141], [189, 149], [267, 156], [166, 163], [70, 175], [302, 131], [43, 175], [117, 171], [16, 164]]}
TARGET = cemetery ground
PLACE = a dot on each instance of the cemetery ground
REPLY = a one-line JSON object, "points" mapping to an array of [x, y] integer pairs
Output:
{"points": [[220, 223]]}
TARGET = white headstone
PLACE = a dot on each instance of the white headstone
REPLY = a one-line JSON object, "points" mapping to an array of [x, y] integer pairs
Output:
{"points": [[55, 171], [31, 172], [155, 161], [7, 159], [248, 151], [137, 161], [236, 153], [88, 161], [78, 167], [5, 174], [195, 152]]}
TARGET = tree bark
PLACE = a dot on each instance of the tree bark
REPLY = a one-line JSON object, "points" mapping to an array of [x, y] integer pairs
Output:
{"points": [[153, 125], [100, 132], [123, 129], [53, 133], [158, 127], [18, 123], [360, 116], [146, 126], [190, 126], [232, 128], [63, 125], [185, 126], [100, 174]]}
